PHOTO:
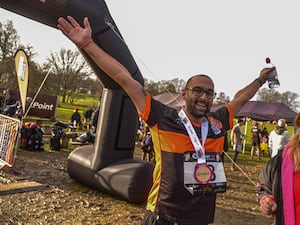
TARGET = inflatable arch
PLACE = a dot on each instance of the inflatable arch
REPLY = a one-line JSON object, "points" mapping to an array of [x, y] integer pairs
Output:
{"points": [[108, 165]]}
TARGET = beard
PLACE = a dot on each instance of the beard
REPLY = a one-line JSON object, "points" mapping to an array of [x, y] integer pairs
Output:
{"points": [[198, 111]]}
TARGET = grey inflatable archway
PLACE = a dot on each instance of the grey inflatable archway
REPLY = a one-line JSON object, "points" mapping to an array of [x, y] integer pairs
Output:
{"points": [[108, 165]]}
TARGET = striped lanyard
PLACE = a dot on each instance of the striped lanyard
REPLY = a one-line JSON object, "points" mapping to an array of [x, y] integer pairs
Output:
{"points": [[199, 149]]}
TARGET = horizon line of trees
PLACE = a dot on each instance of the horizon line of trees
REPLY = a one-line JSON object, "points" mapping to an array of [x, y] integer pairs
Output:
{"points": [[72, 75]]}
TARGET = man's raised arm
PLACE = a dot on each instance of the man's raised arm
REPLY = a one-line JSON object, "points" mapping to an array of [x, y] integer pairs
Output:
{"points": [[245, 94], [81, 36]]}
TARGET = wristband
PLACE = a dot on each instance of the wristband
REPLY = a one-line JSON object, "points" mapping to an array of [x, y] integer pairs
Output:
{"points": [[86, 43], [259, 81]]}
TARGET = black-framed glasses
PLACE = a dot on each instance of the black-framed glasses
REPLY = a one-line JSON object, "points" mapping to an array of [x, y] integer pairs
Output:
{"points": [[198, 91]]}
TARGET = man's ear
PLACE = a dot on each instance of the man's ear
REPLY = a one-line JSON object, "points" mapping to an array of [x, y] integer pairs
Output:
{"points": [[183, 94]]}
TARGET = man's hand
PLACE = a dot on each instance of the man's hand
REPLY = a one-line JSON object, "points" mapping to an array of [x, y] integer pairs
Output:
{"points": [[264, 74], [72, 30]]}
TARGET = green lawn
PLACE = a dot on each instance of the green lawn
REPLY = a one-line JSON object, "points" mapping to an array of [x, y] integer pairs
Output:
{"points": [[84, 102]]}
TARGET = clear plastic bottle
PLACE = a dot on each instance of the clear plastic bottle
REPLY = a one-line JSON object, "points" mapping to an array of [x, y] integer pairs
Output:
{"points": [[273, 81]]}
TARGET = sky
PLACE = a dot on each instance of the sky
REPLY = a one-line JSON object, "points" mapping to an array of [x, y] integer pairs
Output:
{"points": [[228, 40]]}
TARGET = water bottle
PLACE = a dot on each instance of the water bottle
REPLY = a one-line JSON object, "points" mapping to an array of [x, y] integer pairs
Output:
{"points": [[273, 81]]}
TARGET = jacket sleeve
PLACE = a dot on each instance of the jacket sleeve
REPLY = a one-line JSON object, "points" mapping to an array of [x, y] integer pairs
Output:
{"points": [[269, 178]]}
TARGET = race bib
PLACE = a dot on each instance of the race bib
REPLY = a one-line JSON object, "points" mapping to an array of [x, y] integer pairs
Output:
{"points": [[217, 183]]}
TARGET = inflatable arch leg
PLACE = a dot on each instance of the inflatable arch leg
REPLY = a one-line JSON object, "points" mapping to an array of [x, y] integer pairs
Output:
{"points": [[108, 165]]}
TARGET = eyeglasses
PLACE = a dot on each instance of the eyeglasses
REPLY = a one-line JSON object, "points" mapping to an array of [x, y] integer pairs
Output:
{"points": [[198, 91]]}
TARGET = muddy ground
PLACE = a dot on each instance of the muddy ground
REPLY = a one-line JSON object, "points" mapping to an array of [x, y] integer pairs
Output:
{"points": [[64, 201]]}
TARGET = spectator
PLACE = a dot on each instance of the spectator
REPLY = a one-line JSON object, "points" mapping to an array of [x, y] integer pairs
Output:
{"points": [[32, 136], [279, 181], [147, 147], [10, 104], [279, 137], [256, 136], [76, 118], [87, 117], [264, 146], [28, 103], [94, 121], [236, 140]]}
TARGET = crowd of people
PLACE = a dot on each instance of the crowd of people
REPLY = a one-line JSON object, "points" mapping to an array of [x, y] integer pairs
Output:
{"points": [[88, 120]]}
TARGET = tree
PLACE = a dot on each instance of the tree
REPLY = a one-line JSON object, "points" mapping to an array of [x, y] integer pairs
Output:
{"points": [[271, 95], [154, 88], [268, 95], [92, 86], [289, 98], [70, 70], [9, 43], [221, 98]]}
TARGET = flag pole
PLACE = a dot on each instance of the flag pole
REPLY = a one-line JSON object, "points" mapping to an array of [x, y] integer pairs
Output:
{"points": [[38, 91]]}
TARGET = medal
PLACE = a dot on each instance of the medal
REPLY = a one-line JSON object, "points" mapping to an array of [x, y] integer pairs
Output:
{"points": [[203, 173]]}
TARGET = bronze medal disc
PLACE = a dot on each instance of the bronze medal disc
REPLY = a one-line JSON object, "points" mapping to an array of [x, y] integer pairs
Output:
{"points": [[203, 173]]}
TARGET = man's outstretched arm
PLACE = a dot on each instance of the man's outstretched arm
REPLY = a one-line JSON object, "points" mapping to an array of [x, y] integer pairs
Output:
{"points": [[81, 36]]}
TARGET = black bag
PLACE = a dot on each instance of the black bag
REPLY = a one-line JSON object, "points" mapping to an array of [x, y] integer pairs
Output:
{"points": [[58, 131], [34, 143], [55, 143], [32, 138]]}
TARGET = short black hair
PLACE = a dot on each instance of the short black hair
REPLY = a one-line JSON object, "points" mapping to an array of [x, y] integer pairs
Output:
{"points": [[198, 75]]}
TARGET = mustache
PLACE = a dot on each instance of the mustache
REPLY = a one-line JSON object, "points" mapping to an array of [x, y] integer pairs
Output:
{"points": [[202, 102], [206, 105]]}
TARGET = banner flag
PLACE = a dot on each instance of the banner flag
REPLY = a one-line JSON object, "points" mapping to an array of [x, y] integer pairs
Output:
{"points": [[9, 128], [22, 67]]}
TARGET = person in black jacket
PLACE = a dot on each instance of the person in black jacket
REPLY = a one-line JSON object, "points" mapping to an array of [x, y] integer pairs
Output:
{"points": [[95, 117], [279, 181], [10, 104], [87, 117], [76, 118]]}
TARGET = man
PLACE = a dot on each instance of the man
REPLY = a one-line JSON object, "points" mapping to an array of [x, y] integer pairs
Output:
{"points": [[256, 136], [87, 117], [10, 104], [169, 200], [236, 140], [279, 137], [264, 146], [95, 117], [76, 118]]}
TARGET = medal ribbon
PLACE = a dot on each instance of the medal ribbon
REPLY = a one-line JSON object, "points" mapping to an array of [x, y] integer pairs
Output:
{"points": [[193, 136]]}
